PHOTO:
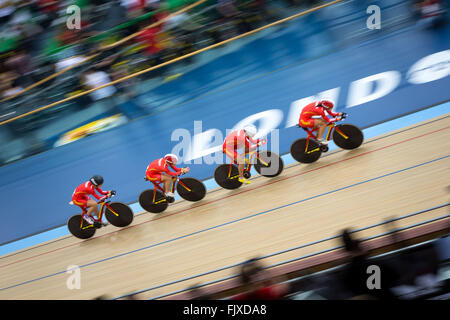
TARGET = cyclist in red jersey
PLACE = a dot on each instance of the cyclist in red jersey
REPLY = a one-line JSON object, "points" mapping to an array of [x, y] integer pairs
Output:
{"points": [[319, 108], [80, 196], [241, 139], [158, 171]]}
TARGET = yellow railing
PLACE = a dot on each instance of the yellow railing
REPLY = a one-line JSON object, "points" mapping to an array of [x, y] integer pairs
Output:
{"points": [[112, 45], [174, 60]]}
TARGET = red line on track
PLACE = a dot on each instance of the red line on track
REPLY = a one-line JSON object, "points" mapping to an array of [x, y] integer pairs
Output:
{"points": [[236, 194]]}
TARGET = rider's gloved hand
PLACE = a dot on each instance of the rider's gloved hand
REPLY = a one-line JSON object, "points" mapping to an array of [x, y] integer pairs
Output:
{"points": [[262, 142], [343, 115], [185, 170], [113, 192]]}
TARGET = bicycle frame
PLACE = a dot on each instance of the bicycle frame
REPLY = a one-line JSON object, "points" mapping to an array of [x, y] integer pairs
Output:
{"points": [[310, 133], [248, 163], [172, 188], [103, 205]]}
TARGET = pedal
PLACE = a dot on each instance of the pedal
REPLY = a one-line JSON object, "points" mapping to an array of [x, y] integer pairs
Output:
{"points": [[170, 199], [97, 224]]}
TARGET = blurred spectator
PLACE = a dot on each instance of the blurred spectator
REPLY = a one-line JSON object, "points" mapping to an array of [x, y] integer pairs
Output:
{"points": [[126, 88], [420, 272], [35, 43], [151, 40], [431, 12], [258, 284], [355, 273], [21, 63], [6, 10], [151, 5], [49, 11], [227, 8], [102, 297], [69, 62], [9, 85], [95, 78]]}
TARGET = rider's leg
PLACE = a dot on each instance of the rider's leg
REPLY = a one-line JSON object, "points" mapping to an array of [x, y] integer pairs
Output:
{"points": [[321, 125], [92, 208], [241, 166], [167, 181], [240, 159]]}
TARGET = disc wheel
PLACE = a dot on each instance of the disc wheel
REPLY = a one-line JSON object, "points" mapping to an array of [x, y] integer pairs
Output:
{"points": [[227, 181], [80, 228], [158, 205], [354, 137], [311, 155], [124, 214], [195, 190], [269, 164]]}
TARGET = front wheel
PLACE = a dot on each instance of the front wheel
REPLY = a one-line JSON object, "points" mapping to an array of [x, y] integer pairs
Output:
{"points": [[119, 214], [269, 164], [347, 136], [80, 228], [191, 189]]}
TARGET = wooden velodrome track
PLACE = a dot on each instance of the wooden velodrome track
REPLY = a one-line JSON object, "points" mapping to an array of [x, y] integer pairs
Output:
{"points": [[391, 175]]}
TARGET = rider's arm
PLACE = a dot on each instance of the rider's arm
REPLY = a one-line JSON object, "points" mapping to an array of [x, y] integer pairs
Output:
{"points": [[333, 114], [248, 146], [97, 196], [255, 141], [176, 173], [324, 116], [101, 191]]}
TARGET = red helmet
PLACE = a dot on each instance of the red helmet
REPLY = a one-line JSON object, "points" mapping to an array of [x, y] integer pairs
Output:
{"points": [[327, 104], [171, 158]]}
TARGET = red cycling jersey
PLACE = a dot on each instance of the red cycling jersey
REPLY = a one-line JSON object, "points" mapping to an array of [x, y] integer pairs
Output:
{"points": [[81, 194], [313, 109], [237, 140], [154, 170]]}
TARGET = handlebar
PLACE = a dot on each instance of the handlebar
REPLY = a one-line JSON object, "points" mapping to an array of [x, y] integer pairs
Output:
{"points": [[178, 176], [343, 116], [113, 193]]}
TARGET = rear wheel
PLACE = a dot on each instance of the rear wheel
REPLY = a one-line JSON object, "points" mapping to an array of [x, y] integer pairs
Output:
{"points": [[80, 228], [303, 155], [156, 205], [122, 215], [353, 136], [227, 177]]}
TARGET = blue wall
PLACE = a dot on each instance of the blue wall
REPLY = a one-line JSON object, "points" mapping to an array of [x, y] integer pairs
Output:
{"points": [[35, 192]]}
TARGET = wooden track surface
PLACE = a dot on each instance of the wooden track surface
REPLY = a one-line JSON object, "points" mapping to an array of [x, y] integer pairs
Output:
{"points": [[388, 176]]}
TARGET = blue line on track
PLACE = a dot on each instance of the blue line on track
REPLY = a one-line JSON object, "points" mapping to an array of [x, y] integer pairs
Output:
{"points": [[234, 221], [370, 132]]}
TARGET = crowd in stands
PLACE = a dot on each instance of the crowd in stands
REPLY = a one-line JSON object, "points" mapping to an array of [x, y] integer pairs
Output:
{"points": [[413, 274], [36, 43], [38, 49]]}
